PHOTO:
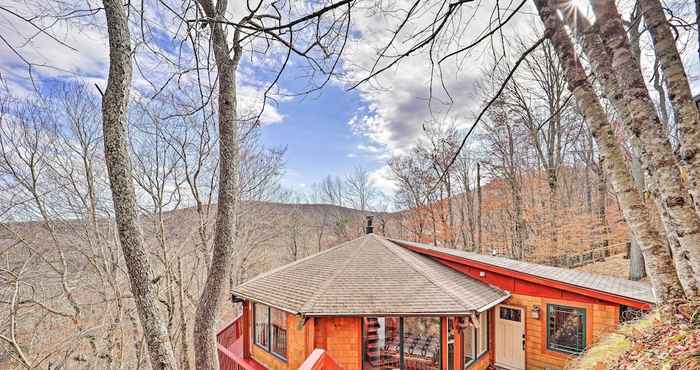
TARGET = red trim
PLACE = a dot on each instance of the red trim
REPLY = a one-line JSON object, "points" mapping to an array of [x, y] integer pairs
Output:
{"points": [[517, 282]]}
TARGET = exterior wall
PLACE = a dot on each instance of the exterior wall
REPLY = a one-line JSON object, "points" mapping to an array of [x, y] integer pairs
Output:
{"points": [[297, 349], [601, 316], [600, 319], [341, 337]]}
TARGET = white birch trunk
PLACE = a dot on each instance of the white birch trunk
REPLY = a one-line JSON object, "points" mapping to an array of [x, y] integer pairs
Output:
{"points": [[661, 271], [688, 119], [620, 76]]}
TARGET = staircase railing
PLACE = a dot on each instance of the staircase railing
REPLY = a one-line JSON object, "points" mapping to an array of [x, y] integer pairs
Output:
{"points": [[320, 360], [226, 338]]}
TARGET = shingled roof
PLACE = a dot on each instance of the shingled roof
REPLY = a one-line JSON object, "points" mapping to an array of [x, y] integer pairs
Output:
{"points": [[370, 276], [621, 287]]}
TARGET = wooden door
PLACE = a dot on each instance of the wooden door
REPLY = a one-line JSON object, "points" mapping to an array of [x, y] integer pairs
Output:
{"points": [[510, 337]]}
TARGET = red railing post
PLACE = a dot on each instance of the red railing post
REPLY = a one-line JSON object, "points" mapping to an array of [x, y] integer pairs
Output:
{"points": [[227, 338], [320, 360]]}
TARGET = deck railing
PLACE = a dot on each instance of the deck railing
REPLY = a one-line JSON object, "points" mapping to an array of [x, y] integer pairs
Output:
{"points": [[320, 360], [226, 337]]}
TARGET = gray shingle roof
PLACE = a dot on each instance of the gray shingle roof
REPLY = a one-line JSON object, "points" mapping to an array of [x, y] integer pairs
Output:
{"points": [[607, 284], [370, 276]]}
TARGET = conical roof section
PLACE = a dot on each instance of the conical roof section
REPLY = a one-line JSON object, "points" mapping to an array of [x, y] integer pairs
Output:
{"points": [[370, 276]]}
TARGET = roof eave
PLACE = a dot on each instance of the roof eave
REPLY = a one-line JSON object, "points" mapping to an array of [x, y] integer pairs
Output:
{"points": [[599, 294]]}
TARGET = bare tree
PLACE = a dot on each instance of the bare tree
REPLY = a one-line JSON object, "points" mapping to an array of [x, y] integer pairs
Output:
{"points": [[114, 119], [360, 190]]}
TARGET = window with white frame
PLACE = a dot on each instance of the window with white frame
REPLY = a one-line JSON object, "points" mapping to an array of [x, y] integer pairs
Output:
{"points": [[475, 342]]}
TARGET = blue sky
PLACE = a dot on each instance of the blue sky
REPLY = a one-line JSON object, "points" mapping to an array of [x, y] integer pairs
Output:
{"points": [[317, 136], [325, 133]]}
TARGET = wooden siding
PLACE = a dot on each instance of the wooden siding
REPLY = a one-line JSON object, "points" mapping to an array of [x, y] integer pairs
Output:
{"points": [[600, 318], [297, 350], [341, 337]]}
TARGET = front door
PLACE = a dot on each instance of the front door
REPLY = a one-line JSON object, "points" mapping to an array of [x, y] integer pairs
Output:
{"points": [[510, 337]]}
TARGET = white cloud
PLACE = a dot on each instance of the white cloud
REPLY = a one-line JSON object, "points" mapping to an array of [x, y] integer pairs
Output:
{"points": [[77, 49], [414, 93], [382, 179]]}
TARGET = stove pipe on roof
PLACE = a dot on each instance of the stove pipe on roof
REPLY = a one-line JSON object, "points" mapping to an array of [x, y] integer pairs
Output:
{"points": [[370, 228]]}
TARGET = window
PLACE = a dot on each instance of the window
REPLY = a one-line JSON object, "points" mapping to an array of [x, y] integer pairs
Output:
{"points": [[401, 343], [511, 314], [469, 345], [278, 324], [483, 341], [270, 329], [566, 329], [475, 341], [421, 343], [450, 344], [262, 325]]}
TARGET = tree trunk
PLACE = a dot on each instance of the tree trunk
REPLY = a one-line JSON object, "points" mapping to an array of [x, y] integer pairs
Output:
{"points": [[478, 208], [115, 132], [647, 137], [602, 208], [687, 119], [636, 259], [205, 346], [519, 222], [658, 260], [552, 209]]}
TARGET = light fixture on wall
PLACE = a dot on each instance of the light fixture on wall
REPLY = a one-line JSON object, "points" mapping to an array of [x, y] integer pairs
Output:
{"points": [[535, 311]]}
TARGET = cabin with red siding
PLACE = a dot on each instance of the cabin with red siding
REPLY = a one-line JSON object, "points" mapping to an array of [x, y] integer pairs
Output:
{"points": [[378, 303]]}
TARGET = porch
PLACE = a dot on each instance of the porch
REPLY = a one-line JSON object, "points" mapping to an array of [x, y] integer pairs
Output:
{"points": [[231, 345]]}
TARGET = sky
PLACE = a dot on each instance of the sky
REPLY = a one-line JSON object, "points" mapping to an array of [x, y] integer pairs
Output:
{"points": [[327, 132]]}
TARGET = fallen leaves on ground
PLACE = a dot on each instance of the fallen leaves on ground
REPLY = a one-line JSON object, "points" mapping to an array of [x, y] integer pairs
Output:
{"points": [[666, 339]]}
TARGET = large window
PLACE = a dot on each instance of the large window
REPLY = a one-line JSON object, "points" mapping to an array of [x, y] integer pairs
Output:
{"points": [[270, 329], [566, 329], [411, 343], [475, 340], [262, 325], [450, 344]]}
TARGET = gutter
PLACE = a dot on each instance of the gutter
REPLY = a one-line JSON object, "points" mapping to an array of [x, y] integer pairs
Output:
{"points": [[494, 303]]}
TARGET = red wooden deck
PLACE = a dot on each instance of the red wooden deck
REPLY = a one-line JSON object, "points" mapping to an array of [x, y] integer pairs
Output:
{"points": [[231, 356]]}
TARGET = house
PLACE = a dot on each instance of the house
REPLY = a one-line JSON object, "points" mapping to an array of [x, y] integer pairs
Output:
{"points": [[379, 303]]}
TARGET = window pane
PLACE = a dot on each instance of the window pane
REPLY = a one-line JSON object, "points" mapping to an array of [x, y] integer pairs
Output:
{"points": [[262, 328], [469, 345], [483, 342], [511, 314], [382, 343], [566, 329], [421, 343], [450, 344], [279, 332]]}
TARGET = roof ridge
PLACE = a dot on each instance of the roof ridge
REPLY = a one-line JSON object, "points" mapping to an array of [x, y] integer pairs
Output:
{"points": [[284, 267], [412, 261], [310, 303]]}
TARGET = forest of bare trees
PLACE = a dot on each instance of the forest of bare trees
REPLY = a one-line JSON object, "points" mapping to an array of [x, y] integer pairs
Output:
{"points": [[129, 211]]}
